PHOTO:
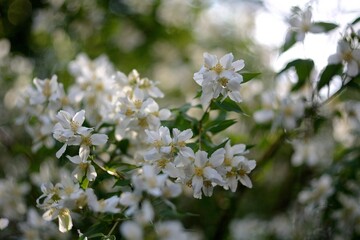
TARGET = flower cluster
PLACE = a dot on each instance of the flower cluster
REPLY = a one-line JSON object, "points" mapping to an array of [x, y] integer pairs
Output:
{"points": [[219, 77], [123, 110]]}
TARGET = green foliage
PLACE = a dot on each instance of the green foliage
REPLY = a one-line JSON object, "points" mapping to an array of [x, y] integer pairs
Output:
{"points": [[325, 26], [303, 68], [328, 73]]}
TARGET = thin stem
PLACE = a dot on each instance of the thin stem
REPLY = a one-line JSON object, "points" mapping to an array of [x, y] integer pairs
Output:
{"points": [[113, 228], [201, 123]]}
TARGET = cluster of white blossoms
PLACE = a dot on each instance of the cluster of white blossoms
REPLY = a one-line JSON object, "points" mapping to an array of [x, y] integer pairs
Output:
{"points": [[225, 167], [122, 108], [219, 77]]}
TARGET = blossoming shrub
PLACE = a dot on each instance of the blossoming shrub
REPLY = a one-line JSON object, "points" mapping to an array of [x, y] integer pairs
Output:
{"points": [[115, 164]]}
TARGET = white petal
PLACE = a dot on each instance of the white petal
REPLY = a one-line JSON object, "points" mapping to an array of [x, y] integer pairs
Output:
{"points": [[235, 96], [65, 222], [245, 180], [352, 68], [263, 116], [226, 60], [91, 173], [185, 135], [131, 230], [79, 117], [99, 139], [206, 96], [84, 152], [238, 65], [197, 183], [74, 159], [198, 77], [61, 151], [213, 175], [217, 158], [200, 158], [210, 60], [164, 114]]}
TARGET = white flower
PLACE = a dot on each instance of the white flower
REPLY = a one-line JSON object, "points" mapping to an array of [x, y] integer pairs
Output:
{"points": [[180, 138], [63, 215], [83, 168], [145, 214], [67, 128], [148, 180], [320, 190], [170, 230], [219, 76], [130, 200], [147, 86], [160, 140], [4, 222], [351, 57], [245, 167], [131, 230], [204, 173], [109, 205], [300, 23], [230, 169], [87, 140], [46, 90]]}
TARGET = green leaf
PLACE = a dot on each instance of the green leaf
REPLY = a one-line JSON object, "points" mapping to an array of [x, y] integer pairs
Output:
{"points": [[356, 21], [227, 105], [327, 27], [84, 183], [289, 42], [248, 76], [328, 73], [218, 126], [122, 182], [221, 145], [123, 145], [303, 68]]}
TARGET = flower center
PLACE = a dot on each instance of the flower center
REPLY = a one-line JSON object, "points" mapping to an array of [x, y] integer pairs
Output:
{"points": [[218, 68], [143, 122], [223, 82], [162, 163], [47, 89], [347, 56], [198, 171], [74, 125], [86, 141]]}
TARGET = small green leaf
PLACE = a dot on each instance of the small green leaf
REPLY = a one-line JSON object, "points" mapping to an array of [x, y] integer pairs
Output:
{"points": [[356, 21], [218, 126], [327, 27], [289, 42], [248, 76], [84, 183], [227, 105], [328, 73]]}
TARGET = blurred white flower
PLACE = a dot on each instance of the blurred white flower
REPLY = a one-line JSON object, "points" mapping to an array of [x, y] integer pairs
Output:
{"points": [[347, 55], [301, 23], [131, 230], [4, 222]]}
